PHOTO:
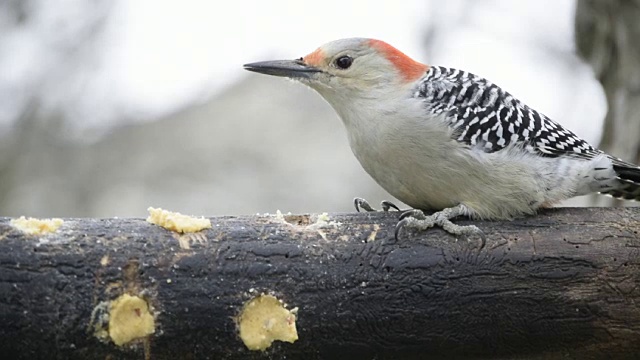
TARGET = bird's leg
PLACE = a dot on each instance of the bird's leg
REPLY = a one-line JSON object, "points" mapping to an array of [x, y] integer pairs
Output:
{"points": [[361, 203], [416, 219]]}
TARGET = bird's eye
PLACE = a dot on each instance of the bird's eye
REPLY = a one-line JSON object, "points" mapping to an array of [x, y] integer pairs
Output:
{"points": [[343, 62]]}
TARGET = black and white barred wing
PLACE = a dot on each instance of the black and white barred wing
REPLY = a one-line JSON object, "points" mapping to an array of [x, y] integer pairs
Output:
{"points": [[484, 115]]}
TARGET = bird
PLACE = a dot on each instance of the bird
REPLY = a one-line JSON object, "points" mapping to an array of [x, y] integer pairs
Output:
{"points": [[450, 143]]}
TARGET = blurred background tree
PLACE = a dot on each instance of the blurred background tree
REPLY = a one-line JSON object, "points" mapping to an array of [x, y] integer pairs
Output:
{"points": [[46, 52], [608, 38]]}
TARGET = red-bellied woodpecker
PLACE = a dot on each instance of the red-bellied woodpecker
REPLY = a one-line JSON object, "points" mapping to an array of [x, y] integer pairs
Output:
{"points": [[447, 140]]}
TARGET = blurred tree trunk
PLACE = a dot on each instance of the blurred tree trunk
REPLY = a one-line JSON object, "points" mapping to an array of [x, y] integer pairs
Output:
{"points": [[608, 38], [38, 129]]}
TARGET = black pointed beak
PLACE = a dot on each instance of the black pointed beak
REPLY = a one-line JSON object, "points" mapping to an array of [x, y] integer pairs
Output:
{"points": [[286, 68]]}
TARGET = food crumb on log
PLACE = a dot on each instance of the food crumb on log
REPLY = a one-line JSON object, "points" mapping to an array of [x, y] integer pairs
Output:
{"points": [[177, 222], [129, 319], [323, 220], [305, 222], [265, 319], [33, 226]]}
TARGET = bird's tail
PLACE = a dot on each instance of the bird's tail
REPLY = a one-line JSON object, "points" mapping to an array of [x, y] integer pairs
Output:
{"points": [[629, 177]]}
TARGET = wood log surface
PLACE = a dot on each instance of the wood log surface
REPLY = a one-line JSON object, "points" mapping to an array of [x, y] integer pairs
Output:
{"points": [[562, 284]]}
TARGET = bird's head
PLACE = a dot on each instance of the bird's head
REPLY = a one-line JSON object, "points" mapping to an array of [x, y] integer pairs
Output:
{"points": [[354, 68]]}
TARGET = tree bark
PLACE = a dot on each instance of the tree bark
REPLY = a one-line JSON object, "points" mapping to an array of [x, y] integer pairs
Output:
{"points": [[563, 284]]}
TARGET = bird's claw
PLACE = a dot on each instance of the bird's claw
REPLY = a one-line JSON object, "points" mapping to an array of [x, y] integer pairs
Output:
{"points": [[413, 213], [417, 219], [399, 226], [363, 204], [386, 205], [414, 218], [483, 237]]}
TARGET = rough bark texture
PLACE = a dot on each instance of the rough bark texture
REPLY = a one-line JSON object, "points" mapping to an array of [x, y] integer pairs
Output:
{"points": [[563, 284]]}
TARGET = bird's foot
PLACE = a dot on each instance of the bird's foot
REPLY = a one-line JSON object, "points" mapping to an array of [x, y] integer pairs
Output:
{"points": [[361, 203], [416, 219]]}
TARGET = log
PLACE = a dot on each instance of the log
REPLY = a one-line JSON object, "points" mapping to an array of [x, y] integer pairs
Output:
{"points": [[562, 284]]}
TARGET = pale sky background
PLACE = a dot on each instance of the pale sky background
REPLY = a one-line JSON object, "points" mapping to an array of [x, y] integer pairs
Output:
{"points": [[156, 65], [155, 57]]}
